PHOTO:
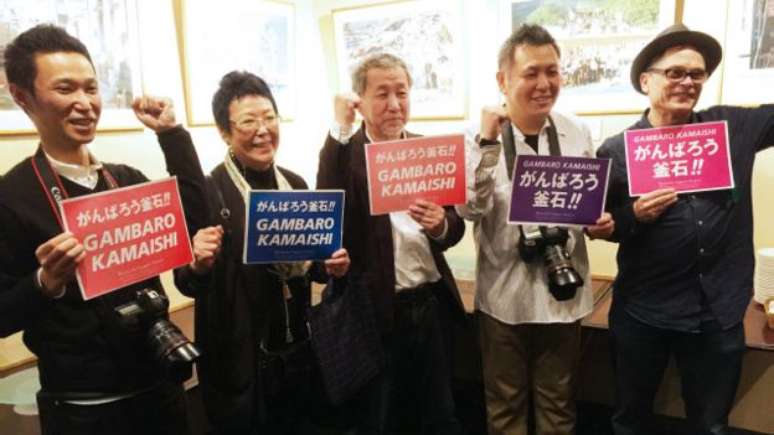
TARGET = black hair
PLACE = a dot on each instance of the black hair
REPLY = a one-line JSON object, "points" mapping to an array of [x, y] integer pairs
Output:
{"points": [[234, 86], [530, 34], [20, 68]]}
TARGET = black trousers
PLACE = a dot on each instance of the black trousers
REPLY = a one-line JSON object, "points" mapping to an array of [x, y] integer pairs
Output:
{"points": [[289, 412], [709, 364], [160, 411], [414, 388]]}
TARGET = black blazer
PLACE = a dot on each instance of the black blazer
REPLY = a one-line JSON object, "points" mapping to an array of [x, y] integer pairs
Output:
{"points": [[369, 238], [233, 302]]}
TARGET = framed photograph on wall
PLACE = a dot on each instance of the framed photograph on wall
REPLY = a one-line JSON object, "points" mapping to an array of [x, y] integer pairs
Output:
{"points": [[426, 35], [598, 39], [255, 36], [108, 28], [708, 16], [748, 71]]}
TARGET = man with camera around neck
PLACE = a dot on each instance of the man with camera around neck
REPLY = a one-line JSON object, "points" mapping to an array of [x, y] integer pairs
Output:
{"points": [[530, 341], [685, 262], [97, 375]]}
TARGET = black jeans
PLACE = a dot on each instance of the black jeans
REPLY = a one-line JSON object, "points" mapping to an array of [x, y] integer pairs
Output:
{"points": [[414, 387], [288, 414], [709, 364], [160, 411]]}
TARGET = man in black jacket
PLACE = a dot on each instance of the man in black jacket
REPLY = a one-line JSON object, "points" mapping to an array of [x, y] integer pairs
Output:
{"points": [[399, 256], [685, 262], [97, 377]]}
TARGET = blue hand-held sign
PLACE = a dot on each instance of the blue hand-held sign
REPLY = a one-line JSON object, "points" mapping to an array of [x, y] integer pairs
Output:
{"points": [[296, 225]]}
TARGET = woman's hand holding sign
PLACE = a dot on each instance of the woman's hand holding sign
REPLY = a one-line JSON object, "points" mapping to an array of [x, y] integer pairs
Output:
{"points": [[206, 246], [338, 264]]}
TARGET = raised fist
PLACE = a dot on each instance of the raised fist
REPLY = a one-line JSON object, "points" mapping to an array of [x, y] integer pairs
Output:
{"points": [[156, 113]]}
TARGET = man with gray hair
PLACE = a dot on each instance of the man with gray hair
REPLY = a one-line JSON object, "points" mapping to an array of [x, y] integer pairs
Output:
{"points": [[398, 256]]}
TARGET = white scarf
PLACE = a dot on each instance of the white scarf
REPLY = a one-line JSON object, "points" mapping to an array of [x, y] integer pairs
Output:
{"points": [[242, 185], [284, 270]]}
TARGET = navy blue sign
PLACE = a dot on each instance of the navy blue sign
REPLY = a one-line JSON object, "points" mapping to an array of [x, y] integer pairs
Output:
{"points": [[298, 225]]}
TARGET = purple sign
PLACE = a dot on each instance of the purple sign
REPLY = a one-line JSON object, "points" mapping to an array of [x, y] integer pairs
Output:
{"points": [[550, 190], [688, 158]]}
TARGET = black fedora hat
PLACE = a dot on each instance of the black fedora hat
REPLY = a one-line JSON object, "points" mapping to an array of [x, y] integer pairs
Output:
{"points": [[672, 36]]}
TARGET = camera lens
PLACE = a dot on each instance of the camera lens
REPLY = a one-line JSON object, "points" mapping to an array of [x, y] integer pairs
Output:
{"points": [[563, 279], [173, 349], [170, 346]]}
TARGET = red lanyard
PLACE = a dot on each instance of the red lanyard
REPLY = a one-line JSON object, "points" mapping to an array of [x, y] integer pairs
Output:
{"points": [[52, 185]]}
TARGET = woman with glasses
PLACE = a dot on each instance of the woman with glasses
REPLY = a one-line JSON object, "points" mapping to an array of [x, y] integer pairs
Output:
{"points": [[256, 370]]}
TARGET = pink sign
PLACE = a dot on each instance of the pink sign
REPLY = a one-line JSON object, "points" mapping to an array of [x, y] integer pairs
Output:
{"points": [[688, 158], [430, 168], [130, 234]]}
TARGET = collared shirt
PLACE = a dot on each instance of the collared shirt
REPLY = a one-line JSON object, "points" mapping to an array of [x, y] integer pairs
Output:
{"points": [[414, 263], [695, 262], [84, 175], [507, 288]]}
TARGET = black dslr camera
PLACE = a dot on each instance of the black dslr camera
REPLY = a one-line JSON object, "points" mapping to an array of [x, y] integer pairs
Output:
{"points": [[563, 279], [172, 350]]}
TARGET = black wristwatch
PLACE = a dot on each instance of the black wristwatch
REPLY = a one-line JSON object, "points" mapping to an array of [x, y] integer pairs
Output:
{"points": [[485, 142]]}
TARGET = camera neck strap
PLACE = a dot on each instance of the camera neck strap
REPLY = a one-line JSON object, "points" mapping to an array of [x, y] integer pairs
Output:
{"points": [[509, 143], [51, 182]]}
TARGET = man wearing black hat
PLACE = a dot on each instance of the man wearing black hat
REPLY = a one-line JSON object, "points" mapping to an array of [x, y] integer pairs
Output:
{"points": [[685, 262]]}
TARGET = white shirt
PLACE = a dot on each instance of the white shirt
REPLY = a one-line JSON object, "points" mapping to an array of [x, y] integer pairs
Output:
{"points": [[414, 263], [507, 288], [86, 176]]}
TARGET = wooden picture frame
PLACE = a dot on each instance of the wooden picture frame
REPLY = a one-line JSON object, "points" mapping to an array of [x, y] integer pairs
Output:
{"points": [[109, 30], [426, 35]]}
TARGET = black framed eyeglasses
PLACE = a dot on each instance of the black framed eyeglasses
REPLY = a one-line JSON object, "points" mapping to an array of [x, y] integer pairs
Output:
{"points": [[678, 74]]}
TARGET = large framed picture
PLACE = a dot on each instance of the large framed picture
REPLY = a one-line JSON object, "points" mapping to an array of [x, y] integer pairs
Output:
{"points": [[708, 16], [426, 35], [598, 39], [219, 37], [749, 53], [108, 28]]}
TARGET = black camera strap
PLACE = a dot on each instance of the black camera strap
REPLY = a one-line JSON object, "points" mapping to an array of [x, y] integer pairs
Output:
{"points": [[509, 143], [52, 185], [225, 212]]}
